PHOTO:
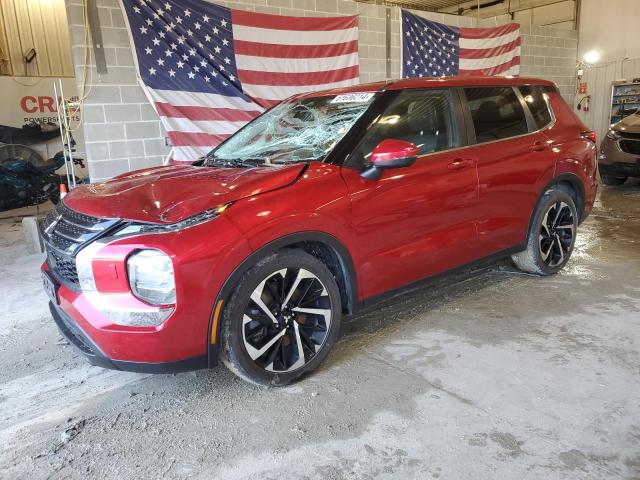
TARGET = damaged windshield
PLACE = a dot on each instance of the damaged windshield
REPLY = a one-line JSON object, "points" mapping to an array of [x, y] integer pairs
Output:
{"points": [[298, 131]]}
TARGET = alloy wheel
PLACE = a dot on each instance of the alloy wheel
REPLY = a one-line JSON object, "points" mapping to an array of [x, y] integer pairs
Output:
{"points": [[287, 320], [557, 234]]}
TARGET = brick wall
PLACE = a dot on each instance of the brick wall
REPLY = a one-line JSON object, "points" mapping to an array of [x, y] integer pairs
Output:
{"points": [[122, 132]]}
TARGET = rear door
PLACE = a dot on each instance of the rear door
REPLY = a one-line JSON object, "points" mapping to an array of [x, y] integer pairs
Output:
{"points": [[514, 156], [420, 220]]}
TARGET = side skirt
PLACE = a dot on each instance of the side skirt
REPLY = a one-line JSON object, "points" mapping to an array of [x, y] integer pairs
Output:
{"points": [[368, 303]]}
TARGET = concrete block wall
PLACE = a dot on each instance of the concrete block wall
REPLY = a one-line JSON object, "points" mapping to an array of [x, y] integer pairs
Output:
{"points": [[123, 133], [550, 53]]}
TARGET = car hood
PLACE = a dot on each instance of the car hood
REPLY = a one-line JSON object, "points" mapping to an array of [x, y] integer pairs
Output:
{"points": [[629, 124], [172, 193]]}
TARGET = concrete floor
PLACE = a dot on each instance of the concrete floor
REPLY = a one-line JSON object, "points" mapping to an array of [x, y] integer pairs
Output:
{"points": [[492, 374]]}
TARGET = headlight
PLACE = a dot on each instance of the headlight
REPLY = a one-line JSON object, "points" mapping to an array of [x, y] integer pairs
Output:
{"points": [[135, 228], [151, 277]]}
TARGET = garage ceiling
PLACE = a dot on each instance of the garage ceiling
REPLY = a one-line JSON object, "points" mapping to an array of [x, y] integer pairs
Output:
{"points": [[433, 5], [487, 7]]}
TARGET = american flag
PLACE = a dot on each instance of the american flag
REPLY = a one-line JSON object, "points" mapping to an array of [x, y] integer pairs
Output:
{"points": [[208, 69], [432, 49]]}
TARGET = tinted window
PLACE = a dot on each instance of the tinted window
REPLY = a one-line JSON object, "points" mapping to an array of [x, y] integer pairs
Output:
{"points": [[423, 118], [538, 106], [497, 113]]}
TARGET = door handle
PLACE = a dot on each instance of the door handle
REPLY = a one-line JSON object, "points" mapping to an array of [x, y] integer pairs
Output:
{"points": [[538, 146], [459, 163]]}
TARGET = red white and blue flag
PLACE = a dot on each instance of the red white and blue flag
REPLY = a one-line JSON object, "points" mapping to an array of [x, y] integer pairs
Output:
{"points": [[432, 49], [208, 69]]}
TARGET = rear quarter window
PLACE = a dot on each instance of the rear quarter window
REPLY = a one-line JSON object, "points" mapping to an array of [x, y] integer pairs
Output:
{"points": [[496, 112], [534, 96]]}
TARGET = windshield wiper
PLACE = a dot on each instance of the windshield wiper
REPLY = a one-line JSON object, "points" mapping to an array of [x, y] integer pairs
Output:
{"points": [[232, 162]]}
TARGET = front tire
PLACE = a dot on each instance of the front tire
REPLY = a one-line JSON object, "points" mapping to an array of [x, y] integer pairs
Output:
{"points": [[282, 319], [613, 181], [551, 236]]}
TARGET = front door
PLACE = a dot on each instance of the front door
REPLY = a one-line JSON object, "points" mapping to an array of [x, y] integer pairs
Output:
{"points": [[416, 221]]}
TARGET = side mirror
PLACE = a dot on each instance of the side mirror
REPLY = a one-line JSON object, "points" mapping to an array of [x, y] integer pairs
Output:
{"points": [[390, 153]]}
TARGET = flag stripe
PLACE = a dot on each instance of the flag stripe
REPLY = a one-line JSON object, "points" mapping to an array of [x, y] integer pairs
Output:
{"points": [[489, 62], [483, 33], [489, 52], [489, 42], [204, 113], [189, 152], [271, 92], [199, 139], [298, 79], [497, 70], [283, 22], [294, 37], [182, 98], [215, 127], [294, 65], [258, 49]]}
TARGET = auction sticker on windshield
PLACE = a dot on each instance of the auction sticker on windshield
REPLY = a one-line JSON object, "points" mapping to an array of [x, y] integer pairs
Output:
{"points": [[353, 97]]}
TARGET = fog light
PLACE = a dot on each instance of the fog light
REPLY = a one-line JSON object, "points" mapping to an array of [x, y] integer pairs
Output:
{"points": [[151, 277], [147, 318]]}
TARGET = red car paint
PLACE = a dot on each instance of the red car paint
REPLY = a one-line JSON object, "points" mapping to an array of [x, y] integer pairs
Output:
{"points": [[456, 207]]}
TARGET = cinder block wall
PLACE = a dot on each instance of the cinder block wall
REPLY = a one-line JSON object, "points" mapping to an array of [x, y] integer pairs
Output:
{"points": [[551, 53], [122, 132]]}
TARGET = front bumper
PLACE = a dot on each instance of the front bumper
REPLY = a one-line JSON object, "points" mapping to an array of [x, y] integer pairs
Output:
{"points": [[619, 169], [79, 339], [616, 158], [203, 257]]}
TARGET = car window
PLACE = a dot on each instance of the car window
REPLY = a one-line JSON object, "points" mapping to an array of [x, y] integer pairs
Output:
{"points": [[423, 118], [537, 103], [496, 112]]}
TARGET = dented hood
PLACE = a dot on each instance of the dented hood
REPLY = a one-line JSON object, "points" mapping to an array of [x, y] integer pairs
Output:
{"points": [[172, 193]]}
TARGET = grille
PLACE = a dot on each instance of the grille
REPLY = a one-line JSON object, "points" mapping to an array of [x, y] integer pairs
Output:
{"points": [[64, 267], [628, 134], [630, 146], [65, 232]]}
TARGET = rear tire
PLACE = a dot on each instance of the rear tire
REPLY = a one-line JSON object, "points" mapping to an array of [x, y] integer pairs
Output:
{"points": [[282, 319], [613, 181], [551, 236]]}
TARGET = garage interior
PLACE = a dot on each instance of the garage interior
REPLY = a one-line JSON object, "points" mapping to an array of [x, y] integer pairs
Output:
{"points": [[487, 373]]}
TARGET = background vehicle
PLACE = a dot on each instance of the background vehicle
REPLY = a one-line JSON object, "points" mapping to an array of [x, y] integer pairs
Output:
{"points": [[620, 151], [26, 178], [325, 204]]}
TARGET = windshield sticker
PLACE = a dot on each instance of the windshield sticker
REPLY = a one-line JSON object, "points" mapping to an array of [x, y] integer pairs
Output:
{"points": [[353, 97]]}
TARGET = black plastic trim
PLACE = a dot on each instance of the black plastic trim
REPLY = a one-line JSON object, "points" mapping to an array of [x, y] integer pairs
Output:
{"points": [[80, 340]]}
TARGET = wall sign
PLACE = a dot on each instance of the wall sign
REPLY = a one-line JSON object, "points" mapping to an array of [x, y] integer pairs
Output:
{"points": [[26, 98]]}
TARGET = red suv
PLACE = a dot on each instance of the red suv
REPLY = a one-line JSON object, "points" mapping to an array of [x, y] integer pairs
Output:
{"points": [[325, 204]]}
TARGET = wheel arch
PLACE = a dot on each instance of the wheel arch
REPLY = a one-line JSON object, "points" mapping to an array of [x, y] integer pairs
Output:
{"points": [[327, 248], [572, 185]]}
